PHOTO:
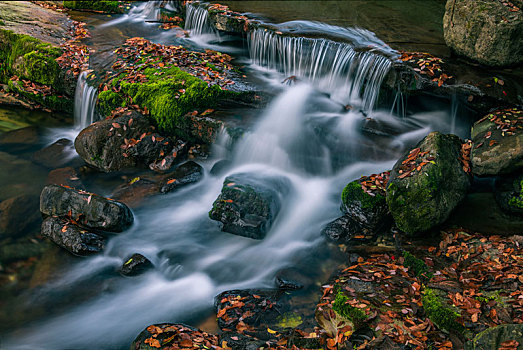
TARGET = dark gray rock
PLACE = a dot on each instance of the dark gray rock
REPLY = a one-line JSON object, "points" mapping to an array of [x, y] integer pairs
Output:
{"points": [[220, 167], [18, 214], [422, 199], [71, 237], [509, 193], [88, 209], [249, 204], [342, 229], [135, 265], [21, 250], [491, 338], [495, 150], [128, 141], [57, 155], [186, 174], [485, 31]]}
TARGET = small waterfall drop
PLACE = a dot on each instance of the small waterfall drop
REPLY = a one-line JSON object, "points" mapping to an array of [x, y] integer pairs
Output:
{"points": [[197, 20], [335, 67], [84, 102]]}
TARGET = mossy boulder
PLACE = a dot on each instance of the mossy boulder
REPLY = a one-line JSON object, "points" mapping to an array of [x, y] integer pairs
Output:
{"points": [[249, 203], [127, 141], [427, 183], [87, 209], [71, 237], [485, 31], [367, 206], [439, 312], [99, 5], [492, 338], [498, 143]]}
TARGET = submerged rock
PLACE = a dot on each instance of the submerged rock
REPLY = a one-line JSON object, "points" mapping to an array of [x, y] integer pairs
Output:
{"points": [[174, 336], [57, 155], [18, 214], [484, 31], [65, 177], [427, 183], [498, 143], [187, 173], [135, 265], [249, 204], [127, 141], [88, 209], [71, 237], [492, 338]]}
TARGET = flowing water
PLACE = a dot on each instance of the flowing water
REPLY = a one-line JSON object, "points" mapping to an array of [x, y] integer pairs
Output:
{"points": [[308, 135]]}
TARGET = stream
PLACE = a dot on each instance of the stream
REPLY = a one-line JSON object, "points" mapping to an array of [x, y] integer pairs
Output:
{"points": [[323, 129]]}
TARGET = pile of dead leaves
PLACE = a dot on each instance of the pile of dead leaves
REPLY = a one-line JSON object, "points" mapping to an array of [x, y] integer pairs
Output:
{"points": [[425, 63], [480, 277], [510, 5], [138, 54], [75, 56], [415, 161], [177, 336], [375, 183], [50, 5], [466, 147], [507, 120]]}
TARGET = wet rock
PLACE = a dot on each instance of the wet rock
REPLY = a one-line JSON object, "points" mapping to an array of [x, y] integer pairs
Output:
{"points": [[220, 167], [19, 176], [484, 31], [249, 204], [65, 177], [20, 139], [173, 336], [17, 214], [88, 209], [498, 143], [136, 265], [286, 280], [127, 141], [368, 206], [492, 338], [238, 341], [248, 311], [509, 193], [427, 183], [342, 229], [21, 250], [71, 237], [57, 155], [187, 173], [134, 192], [178, 152]]}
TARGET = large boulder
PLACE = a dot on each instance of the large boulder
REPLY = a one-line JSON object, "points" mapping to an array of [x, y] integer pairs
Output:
{"points": [[506, 336], [486, 31], [427, 183], [87, 209], [498, 143], [249, 204], [127, 141], [71, 237], [18, 214], [363, 200]]}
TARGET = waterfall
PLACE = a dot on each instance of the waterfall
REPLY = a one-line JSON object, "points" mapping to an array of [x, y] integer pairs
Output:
{"points": [[197, 20], [335, 67], [84, 102]]}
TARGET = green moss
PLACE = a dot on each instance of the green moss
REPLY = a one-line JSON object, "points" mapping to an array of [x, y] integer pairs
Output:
{"points": [[517, 200], [105, 6], [54, 102], [108, 101], [488, 296], [442, 316], [355, 315], [354, 192], [2, 23], [289, 320], [417, 266], [40, 68], [169, 94]]}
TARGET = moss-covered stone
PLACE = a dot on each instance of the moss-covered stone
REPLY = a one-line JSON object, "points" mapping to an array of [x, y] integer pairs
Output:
{"points": [[105, 6], [443, 316], [108, 101], [424, 198], [517, 200], [355, 315], [353, 191], [417, 266]]}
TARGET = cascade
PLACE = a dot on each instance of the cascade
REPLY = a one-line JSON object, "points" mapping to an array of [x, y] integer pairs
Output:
{"points": [[197, 20], [84, 102], [333, 66]]}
